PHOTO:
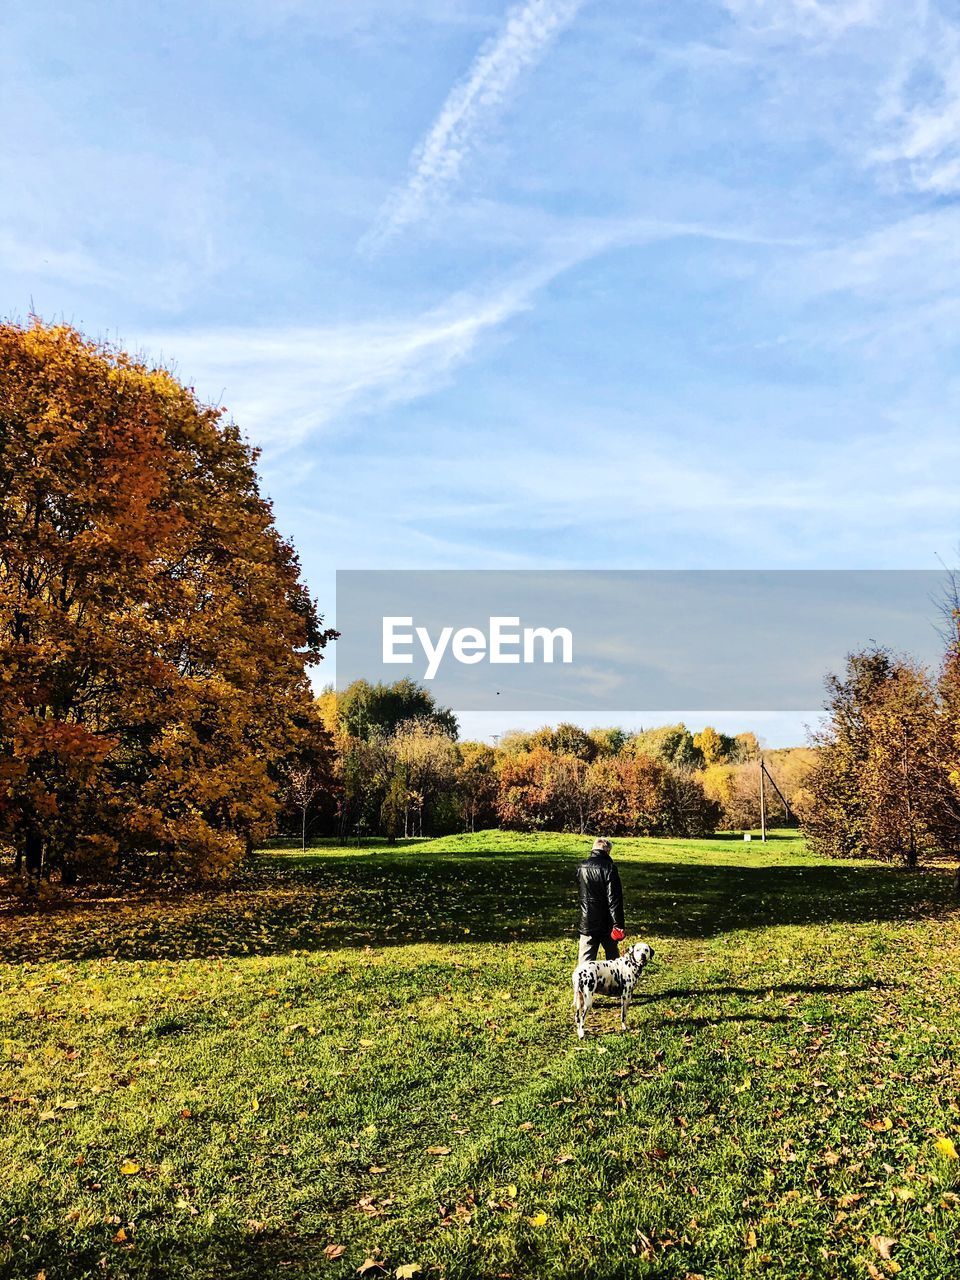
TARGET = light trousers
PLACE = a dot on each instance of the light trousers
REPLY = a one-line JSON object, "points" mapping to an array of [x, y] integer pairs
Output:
{"points": [[590, 944]]}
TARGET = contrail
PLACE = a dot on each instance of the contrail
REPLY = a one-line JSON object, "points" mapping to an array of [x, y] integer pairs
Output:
{"points": [[436, 163]]}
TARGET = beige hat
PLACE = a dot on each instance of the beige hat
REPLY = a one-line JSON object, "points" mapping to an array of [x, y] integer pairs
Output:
{"points": [[601, 846]]}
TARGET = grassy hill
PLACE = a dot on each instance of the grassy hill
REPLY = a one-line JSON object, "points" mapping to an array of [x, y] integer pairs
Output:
{"points": [[368, 1054]]}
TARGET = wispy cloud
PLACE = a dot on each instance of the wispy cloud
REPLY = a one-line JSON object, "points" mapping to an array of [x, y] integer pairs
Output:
{"points": [[921, 111], [285, 385], [896, 69], [815, 18], [437, 162]]}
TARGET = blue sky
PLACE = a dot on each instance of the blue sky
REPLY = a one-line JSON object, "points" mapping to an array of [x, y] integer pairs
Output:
{"points": [[599, 284]]}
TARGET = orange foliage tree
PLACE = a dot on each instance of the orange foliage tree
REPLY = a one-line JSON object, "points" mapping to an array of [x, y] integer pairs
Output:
{"points": [[154, 631]]}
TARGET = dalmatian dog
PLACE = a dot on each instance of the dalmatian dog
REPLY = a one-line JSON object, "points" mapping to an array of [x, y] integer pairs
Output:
{"points": [[609, 978]]}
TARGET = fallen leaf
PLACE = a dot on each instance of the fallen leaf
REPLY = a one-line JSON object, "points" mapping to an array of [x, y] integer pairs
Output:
{"points": [[946, 1148], [750, 1239], [120, 1236], [538, 1219], [882, 1245], [129, 1167], [879, 1126], [512, 1191], [334, 1251], [378, 1168], [438, 1151], [565, 1158], [369, 1264], [408, 1271]]}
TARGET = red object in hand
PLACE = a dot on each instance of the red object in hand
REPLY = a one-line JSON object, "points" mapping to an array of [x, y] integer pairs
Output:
{"points": [[617, 935]]}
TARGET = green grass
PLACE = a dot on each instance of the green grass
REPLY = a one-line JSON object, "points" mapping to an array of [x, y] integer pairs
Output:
{"points": [[373, 1048]]}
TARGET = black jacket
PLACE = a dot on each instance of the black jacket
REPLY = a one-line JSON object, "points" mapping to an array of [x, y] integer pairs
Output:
{"points": [[601, 896]]}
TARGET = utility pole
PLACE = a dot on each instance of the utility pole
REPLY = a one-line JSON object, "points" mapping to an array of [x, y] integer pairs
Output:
{"points": [[763, 809]]}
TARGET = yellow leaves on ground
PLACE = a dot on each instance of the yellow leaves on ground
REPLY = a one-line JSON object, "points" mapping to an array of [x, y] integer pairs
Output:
{"points": [[408, 1271], [538, 1219], [333, 1251], [438, 1151], [883, 1245], [879, 1126], [129, 1168], [750, 1238], [946, 1148], [368, 1265]]}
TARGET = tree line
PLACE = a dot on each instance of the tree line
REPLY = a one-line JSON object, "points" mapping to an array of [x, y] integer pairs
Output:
{"points": [[156, 641], [395, 767]]}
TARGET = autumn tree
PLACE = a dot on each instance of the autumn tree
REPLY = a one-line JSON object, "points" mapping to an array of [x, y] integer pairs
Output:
{"points": [[713, 746], [307, 779], [427, 759], [154, 631], [746, 748], [671, 743], [608, 742], [640, 795], [881, 785], [627, 790], [565, 739], [365, 710], [735, 788], [528, 800], [477, 785]]}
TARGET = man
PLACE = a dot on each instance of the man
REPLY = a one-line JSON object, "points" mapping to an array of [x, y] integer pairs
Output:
{"points": [[601, 905]]}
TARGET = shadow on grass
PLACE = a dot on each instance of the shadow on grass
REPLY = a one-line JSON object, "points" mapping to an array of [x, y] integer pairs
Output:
{"points": [[781, 989], [385, 898]]}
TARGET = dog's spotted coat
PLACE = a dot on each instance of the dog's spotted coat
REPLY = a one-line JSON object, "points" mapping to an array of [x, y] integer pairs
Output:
{"points": [[609, 978]]}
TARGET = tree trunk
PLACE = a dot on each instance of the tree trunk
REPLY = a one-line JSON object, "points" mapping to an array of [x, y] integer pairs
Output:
{"points": [[33, 855]]}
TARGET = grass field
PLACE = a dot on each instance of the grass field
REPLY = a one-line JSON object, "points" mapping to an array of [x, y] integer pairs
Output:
{"points": [[363, 1057]]}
